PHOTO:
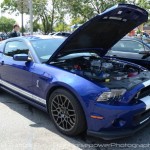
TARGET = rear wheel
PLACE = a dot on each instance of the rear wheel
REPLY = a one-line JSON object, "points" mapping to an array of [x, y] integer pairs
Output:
{"points": [[66, 112]]}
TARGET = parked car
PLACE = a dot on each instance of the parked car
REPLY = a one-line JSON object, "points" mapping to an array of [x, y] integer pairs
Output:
{"points": [[132, 49], [4, 36], [51, 33], [146, 34], [74, 83], [65, 34], [146, 40]]}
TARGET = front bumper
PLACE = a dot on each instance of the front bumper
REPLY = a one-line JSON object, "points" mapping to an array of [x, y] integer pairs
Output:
{"points": [[134, 119], [121, 119], [110, 135]]}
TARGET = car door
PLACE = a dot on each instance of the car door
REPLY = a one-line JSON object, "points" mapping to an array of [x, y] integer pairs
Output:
{"points": [[15, 74], [129, 50]]}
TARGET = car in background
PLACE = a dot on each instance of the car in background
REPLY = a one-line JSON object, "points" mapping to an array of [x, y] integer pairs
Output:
{"points": [[4, 36], [146, 40], [144, 37], [65, 34], [74, 83], [146, 34], [133, 50], [51, 33]]}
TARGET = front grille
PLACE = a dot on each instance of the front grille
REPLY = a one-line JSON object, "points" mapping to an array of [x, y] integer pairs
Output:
{"points": [[143, 93], [144, 116], [141, 118]]}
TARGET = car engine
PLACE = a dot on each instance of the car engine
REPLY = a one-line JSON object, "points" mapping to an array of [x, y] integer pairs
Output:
{"points": [[99, 69]]}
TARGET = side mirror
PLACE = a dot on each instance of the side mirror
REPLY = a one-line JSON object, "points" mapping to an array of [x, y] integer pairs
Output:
{"points": [[21, 57]]}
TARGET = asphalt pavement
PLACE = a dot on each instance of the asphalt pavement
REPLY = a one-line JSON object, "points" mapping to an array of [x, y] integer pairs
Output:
{"points": [[24, 127]]}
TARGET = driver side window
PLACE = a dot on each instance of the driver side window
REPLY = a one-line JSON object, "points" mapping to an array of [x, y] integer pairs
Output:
{"points": [[16, 47]]}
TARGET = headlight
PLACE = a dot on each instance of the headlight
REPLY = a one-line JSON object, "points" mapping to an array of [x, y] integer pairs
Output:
{"points": [[114, 93]]}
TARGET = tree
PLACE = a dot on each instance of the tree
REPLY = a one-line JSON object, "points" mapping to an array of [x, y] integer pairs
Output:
{"points": [[15, 6], [87, 9], [36, 26], [49, 12], [144, 4], [61, 26], [6, 24], [39, 9], [22, 29]]}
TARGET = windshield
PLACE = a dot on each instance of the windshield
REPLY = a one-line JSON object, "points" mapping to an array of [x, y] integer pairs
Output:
{"points": [[44, 48]]}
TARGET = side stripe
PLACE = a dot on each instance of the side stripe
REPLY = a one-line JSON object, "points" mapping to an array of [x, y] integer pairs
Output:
{"points": [[146, 83], [146, 100], [23, 92]]}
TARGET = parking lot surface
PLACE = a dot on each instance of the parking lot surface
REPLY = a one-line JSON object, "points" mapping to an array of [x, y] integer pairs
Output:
{"points": [[24, 127]]}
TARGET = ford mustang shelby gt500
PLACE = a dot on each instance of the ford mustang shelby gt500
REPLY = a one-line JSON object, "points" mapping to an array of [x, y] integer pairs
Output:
{"points": [[73, 81]]}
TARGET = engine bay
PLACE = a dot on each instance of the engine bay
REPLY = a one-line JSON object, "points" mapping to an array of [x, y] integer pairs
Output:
{"points": [[110, 72], [99, 69]]}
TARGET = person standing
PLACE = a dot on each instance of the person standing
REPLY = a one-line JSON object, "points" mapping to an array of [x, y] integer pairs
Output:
{"points": [[15, 32]]}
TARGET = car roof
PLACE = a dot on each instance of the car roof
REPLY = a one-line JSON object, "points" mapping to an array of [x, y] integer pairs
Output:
{"points": [[36, 37], [135, 39], [132, 38]]}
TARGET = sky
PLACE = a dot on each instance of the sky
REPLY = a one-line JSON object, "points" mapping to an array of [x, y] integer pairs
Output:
{"points": [[13, 16]]}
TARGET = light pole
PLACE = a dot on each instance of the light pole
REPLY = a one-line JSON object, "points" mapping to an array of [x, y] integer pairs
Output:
{"points": [[22, 15], [31, 16], [0, 10]]}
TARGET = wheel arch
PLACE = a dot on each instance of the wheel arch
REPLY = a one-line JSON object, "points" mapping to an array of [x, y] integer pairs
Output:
{"points": [[53, 88]]}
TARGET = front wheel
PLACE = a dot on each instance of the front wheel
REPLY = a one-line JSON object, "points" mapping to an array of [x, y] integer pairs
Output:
{"points": [[66, 112]]}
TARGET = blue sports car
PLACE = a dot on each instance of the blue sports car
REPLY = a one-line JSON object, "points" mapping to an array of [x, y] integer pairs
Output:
{"points": [[72, 80]]}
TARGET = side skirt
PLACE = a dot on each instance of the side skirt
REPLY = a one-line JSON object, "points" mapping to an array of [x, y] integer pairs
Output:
{"points": [[27, 100]]}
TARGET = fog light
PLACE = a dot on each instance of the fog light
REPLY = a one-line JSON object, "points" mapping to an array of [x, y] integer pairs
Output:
{"points": [[119, 123]]}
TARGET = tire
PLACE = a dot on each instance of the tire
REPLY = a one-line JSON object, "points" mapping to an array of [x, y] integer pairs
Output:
{"points": [[66, 113]]}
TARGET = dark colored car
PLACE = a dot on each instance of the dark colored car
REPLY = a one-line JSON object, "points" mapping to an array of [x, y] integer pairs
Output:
{"points": [[133, 50], [65, 34], [4, 36], [74, 83], [146, 34]]}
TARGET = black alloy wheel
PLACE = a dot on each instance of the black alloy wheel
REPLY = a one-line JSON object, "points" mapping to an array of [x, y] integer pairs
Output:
{"points": [[66, 112]]}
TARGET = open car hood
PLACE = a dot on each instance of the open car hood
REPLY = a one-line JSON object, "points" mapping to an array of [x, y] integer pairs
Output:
{"points": [[103, 31]]}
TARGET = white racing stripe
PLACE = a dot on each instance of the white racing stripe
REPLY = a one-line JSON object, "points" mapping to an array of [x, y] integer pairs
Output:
{"points": [[146, 100], [23, 92], [146, 83]]}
